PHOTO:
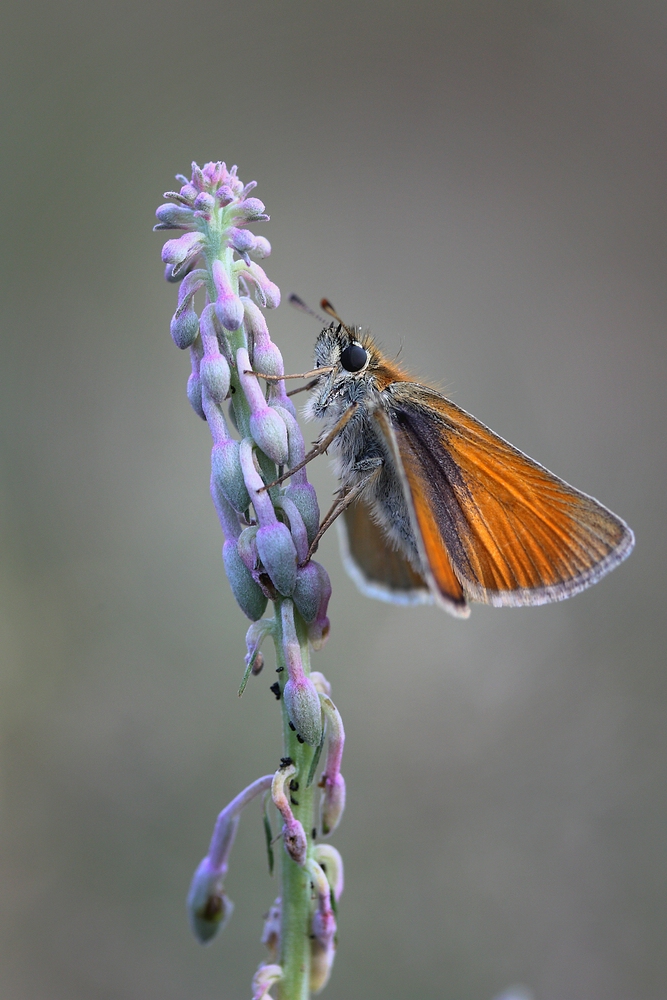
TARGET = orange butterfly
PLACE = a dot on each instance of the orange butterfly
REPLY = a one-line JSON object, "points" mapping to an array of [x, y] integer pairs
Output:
{"points": [[437, 506]]}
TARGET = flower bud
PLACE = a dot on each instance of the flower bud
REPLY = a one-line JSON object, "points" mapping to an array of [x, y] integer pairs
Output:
{"points": [[184, 327], [294, 839], [227, 475], [278, 554], [271, 930], [228, 305], [265, 977], [321, 964], [252, 210], [304, 498], [204, 205], [269, 294], [318, 630], [266, 358], [296, 526], [215, 376], [209, 908], [294, 836], [303, 708], [174, 217], [255, 635], [307, 594], [268, 430], [331, 863], [266, 426], [332, 804], [176, 252], [261, 249], [247, 546], [225, 195], [194, 394], [240, 240], [248, 594]]}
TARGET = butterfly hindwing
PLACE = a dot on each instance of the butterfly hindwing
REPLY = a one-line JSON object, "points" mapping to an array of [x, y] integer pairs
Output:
{"points": [[378, 567], [510, 531]]}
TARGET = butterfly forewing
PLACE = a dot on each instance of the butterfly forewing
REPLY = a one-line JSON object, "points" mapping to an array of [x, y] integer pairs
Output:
{"points": [[486, 514]]}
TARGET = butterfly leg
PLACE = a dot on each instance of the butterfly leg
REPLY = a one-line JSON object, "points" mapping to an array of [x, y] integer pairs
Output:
{"points": [[318, 449], [343, 501]]}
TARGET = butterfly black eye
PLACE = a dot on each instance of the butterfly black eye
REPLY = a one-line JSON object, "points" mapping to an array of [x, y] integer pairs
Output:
{"points": [[353, 358]]}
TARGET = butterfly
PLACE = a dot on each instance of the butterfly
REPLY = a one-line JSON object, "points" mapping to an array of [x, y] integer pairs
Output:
{"points": [[435, 505]]}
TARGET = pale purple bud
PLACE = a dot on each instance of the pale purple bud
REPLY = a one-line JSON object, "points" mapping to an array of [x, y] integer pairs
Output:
{"points": [[213, 173], [213, 337], [252, 210], [294, 839], [332, 782], [323, 929], [321, 964], [278, 554], [228, 305], [172, 277], [176, 195], [240, 240], [229, 520], [194, 389], [301, 699], [296, 526], [249, 596], [250, 186], [247, 546], [261, 249], [208, 906], [268, 430], [178, 251], [194, 394], [227, 475], [174, 217], [271, 932], [331, 863], [189, 192], [318, 631], [192, 282], [303, 497], [303, 708], [266, 426], [235, 184], [254, 638], [204, 205], [266, 359], [184, 327], [332, 804], [225, 195], [215, 376], [322, 685], [261, 500], [266, 293], [307, 594], [294, 836], [265, 977]]}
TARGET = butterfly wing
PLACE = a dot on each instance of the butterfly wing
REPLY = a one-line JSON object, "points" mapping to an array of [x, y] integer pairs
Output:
{"points": [[513, 533], [378, 568]]}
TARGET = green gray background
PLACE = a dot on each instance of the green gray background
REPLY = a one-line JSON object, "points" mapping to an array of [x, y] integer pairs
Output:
{"points": [[483, 184]]}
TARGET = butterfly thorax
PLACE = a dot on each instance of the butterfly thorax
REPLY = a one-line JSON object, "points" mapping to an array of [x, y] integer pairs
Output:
{"points": [[360, 447]]}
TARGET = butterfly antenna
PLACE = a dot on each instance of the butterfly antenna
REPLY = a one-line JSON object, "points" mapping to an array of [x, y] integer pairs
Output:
{"points": [[330, 311], [298, 303]]}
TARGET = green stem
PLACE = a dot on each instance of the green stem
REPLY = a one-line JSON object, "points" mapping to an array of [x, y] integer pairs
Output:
{"points": [[296, 888]]}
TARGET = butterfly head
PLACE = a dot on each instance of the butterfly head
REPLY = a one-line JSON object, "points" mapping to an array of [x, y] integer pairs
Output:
{"points": [[348, 356]]}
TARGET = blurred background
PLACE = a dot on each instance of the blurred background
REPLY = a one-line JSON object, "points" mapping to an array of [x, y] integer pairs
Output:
{"points": [[482, 184]]}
